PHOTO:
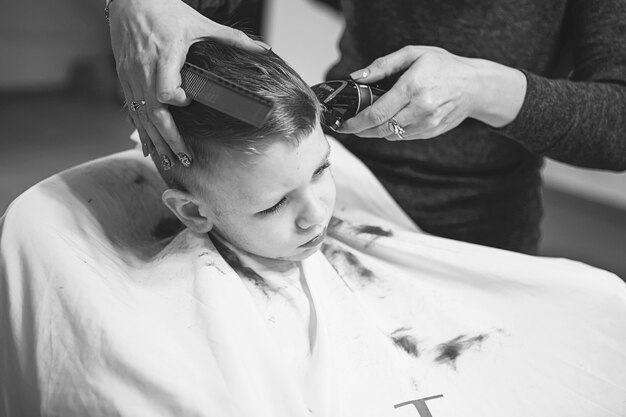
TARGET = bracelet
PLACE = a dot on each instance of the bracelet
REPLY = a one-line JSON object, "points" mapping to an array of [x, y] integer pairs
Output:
{"points": [[107, 3]]}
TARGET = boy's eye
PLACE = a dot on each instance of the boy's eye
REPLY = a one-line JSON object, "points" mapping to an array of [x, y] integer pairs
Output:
{"points": [[322, 169], [275, 207]]}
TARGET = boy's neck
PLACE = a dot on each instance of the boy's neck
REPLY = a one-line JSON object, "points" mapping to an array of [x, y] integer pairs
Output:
{"points": [[238, 258]]}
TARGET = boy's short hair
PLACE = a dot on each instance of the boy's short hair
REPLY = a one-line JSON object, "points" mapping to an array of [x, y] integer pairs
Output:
{"points": [[209, 133]]}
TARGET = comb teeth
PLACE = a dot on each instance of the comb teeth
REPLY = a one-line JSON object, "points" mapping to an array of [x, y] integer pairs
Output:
{"points": [[192, 83], [224, 95]]}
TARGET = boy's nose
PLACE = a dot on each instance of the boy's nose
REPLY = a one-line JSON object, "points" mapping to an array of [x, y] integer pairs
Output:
{"points": [[313, 213]]}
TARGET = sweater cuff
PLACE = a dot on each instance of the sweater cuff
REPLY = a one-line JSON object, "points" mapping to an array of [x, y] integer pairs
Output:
{"points": [[547, 112]]}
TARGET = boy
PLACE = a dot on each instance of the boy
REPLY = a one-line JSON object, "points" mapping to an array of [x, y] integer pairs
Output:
{"points": [[264, 195], [267, 191]]}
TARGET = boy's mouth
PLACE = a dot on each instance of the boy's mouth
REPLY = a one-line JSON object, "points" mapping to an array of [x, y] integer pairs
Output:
{"points": [[315, 241]]}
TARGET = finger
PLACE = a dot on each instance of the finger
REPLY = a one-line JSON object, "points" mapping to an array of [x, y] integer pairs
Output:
{"points": [[263, 45], [151, 148], [152, 132], [377, 114], [405, 129], [146, 142], [128, 97], [425, 125], [237, 38], [144, 139], [145, 125], [163, 121], [383, 130], [168, 80], [389, 64], [387, 129], [160, 146], [159, 125]]}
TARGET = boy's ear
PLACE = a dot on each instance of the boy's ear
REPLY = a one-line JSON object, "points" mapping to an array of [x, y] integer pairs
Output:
{"points": [[187, 209]]}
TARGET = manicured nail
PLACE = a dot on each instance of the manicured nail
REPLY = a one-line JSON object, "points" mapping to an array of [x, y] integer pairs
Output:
{"points": [[184, 159], [359, 75], [144, 149], [166, 163], [263, 45]]}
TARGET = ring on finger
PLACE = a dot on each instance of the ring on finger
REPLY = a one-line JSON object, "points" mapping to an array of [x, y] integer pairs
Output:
{"points": [[396, 128], [135, 105]]}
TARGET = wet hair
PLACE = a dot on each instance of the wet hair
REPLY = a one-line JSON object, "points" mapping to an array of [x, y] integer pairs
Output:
{"points": [[210, 134]]}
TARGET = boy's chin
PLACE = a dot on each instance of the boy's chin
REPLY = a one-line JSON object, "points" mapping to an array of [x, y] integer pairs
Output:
{"points": [[304, 254], [299, 254]]}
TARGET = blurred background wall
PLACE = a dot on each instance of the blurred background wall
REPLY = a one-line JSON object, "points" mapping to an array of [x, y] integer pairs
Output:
{"points": [[60, 106], [42, 42]]}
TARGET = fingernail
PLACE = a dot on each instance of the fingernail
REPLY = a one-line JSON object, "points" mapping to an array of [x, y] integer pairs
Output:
{"points": [[166, 163], [263, 45], [359, 75], [144, 149], [184, 159]]}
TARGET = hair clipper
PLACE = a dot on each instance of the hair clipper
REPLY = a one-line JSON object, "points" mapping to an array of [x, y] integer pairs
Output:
{"points": [[343, 99]]}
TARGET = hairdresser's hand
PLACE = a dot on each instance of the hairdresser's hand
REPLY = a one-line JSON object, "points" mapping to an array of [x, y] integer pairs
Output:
{"points": [[436, 92], [150, 40]]}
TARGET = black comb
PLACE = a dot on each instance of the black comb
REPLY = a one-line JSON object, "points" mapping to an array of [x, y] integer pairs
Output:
{"points": [[223, 95]]}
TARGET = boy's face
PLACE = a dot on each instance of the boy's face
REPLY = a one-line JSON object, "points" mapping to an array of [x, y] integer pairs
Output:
{"points": [[275, 205]]}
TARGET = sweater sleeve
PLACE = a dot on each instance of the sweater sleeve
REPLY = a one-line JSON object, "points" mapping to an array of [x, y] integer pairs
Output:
{"points": [[581, 120]]}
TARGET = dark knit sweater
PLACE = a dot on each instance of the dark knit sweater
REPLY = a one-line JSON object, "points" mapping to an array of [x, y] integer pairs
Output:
{"points": [[481, 184]]}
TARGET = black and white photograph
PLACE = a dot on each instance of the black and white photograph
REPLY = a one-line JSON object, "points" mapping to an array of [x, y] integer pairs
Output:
{"points": [[313, 208]]}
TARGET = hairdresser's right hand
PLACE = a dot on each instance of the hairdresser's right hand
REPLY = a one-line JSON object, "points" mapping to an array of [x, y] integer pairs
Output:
{"points": [[150, 40]]}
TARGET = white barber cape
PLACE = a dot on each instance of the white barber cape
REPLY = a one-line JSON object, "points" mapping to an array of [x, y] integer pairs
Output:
{"points": [[106, 308]]}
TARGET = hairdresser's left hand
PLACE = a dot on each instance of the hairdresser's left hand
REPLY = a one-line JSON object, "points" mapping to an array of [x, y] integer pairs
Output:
{"points": [[150, 40], [436, 92]]}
